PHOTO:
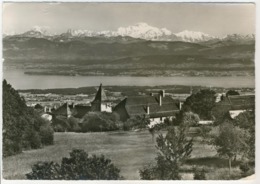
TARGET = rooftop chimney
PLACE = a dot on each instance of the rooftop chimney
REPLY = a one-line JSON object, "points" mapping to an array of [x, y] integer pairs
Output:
{"points": [[160, 99], [180, 105], [163, 93], [147, 109]]}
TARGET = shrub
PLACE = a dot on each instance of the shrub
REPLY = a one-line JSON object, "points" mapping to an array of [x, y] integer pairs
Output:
{"points": [[136, 122], [46, 134], [244, 167], [60, 124], [163, 170], [79, 166], [199, 174], [35, 140], [99, 121], [232, 92], [45, 171], [73, 125]]}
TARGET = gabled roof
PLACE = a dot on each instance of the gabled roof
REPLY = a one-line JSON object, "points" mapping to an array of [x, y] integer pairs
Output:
{"points": [[62, 110], [237, 102], [78, 111], [138, 106]]}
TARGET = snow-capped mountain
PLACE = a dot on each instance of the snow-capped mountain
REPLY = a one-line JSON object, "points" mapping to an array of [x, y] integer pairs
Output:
{"points": [[143, 31], [239, 37], [191, 36], [140, 31]]}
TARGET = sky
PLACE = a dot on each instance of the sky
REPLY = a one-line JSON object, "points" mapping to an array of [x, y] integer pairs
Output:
{"points": [[211, 18]]}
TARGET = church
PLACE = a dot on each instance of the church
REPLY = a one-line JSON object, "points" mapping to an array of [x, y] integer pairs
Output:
{"points": [[99, 104]]}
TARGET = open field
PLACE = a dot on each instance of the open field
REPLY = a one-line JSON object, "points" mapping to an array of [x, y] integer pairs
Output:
{"points": [[129, 151]]}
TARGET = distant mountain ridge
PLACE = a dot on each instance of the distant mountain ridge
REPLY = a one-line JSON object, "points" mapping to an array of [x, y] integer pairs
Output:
{"points": [[137, 31]]}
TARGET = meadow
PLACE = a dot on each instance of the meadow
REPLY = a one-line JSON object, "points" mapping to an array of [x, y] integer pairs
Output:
{"points": [[129, 151]]}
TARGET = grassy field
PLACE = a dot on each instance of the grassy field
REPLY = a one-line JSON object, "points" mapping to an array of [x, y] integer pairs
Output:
{"points": [[129, 151]]}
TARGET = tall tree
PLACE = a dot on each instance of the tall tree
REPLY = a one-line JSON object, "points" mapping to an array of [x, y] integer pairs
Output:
{"points": [[231, 141], [201, 103], [173, 149]]}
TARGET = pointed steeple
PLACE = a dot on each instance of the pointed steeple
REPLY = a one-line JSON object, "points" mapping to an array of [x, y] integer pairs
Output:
{"points": [[100, 96], [99, 99]]}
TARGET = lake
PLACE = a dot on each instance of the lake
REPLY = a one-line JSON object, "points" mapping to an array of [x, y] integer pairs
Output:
{"points": [[19, 80]]}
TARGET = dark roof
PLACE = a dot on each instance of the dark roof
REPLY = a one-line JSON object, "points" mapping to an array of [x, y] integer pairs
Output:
{"points": [[78, 111], [38, 106], [138, 106], [62, 110], [81, 110], [237, 102]]}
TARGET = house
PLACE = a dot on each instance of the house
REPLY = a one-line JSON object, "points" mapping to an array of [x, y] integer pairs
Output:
{"points": [[155, 107], [234, 105]]}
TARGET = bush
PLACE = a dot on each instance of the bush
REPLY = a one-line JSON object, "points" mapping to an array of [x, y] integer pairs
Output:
{"points": [[74, 125], [244, 167], [163, 170], [232, 92], [79, 166], [136, 122], [45, 171], [31, 139], [60, 124], [46, 134], [35, 140], [82, 167], [199, 174], [99, 121]]}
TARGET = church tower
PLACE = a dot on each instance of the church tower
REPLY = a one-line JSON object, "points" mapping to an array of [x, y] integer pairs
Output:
{"points": [[99, 103]]}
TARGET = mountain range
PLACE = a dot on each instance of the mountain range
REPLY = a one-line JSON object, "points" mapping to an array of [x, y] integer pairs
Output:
{"points": [[135, 50], [137, 31]]}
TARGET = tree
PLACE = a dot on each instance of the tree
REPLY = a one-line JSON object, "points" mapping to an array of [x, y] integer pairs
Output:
{"points": [[201, 103], [246, 121], [232, 92], [22, 125], [190, 119], [174, 148], [230, 142], [79, 166]]}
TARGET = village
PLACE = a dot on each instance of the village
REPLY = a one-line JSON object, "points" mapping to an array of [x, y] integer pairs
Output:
{"points": [[157, 106]]}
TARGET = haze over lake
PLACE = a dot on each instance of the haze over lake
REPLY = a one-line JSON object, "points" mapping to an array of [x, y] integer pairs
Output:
{"points": [[19, 80]]}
